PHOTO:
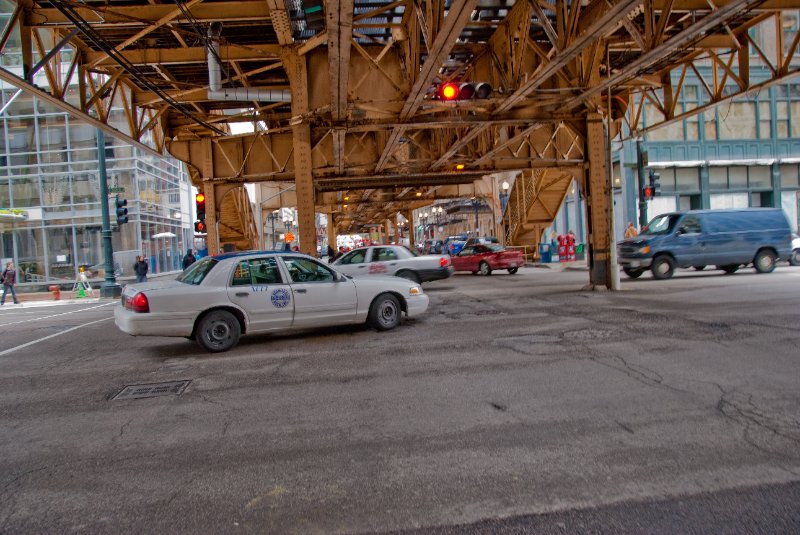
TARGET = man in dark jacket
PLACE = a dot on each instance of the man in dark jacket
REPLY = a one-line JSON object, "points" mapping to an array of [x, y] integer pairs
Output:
{"points": [[189, 259], [140, 268], [9, 280]]}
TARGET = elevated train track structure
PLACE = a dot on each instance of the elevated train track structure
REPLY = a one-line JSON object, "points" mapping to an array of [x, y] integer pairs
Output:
{"points": [[342, 95]]}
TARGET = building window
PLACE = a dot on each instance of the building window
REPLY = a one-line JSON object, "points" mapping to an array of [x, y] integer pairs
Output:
{"points": [[760, 177], [737, 177], [736, 120], [687, 179], [789, 176]]}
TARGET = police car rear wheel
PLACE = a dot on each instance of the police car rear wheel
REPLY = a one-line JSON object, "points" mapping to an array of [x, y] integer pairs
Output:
{"points": [[218, 331], [384, 313]]}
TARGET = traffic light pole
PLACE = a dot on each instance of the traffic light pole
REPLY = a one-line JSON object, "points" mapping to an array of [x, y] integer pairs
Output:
{"points": [[640, 175], [109, 288]]}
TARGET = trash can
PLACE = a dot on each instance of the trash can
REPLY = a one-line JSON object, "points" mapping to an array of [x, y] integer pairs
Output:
{"points": [[579, 252], [544, 253]]}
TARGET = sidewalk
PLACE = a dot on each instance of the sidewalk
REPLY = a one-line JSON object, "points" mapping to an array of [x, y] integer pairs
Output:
{"points": [[576, 265]]}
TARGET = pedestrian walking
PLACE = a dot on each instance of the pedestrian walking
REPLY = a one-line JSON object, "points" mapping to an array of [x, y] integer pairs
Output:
{"points": [[189, 259], [140, 268], [9, 280], [331, 253], [631, 231]]}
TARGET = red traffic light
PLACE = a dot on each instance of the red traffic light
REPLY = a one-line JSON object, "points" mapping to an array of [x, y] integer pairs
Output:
{"points": [[200, 226], [448, 91]]}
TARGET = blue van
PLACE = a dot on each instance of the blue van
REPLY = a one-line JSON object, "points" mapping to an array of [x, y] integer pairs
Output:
{"points": [[727, 239]]}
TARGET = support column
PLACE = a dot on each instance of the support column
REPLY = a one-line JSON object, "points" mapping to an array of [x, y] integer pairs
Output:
{"points": [[598, 197], [409, 215], [207, 188], [297, 71], [332, 232], [387, 230]]}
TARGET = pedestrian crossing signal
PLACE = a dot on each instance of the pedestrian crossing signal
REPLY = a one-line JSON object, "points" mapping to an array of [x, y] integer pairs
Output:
{"points": [[200, 227]]}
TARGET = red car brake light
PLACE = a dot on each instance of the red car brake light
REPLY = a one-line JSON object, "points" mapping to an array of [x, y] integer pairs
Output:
{"points": [[444, 261], [138, 303]]}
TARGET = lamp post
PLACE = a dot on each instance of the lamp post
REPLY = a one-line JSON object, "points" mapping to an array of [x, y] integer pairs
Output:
{"points": [[272, 217], [287, 223], [476, 203], [504, 196], [424, 218], [438, 213]]}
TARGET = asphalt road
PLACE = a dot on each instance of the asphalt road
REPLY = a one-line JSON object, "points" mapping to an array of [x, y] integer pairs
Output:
{"points": [[518, 404]]}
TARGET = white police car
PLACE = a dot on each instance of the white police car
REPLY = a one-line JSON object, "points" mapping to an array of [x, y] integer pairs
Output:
{"points": [[217, 299]]}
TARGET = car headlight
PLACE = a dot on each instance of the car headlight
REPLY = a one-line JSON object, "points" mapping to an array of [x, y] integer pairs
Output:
{"points": [[415, 290]]}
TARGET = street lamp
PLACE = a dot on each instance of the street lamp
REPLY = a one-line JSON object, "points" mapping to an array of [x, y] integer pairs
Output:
{"points": [[476, 203], [424, 218], [438, 213], [504, 195], [272, 217]]}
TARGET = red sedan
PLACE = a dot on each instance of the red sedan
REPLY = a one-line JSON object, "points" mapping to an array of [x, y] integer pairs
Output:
{"points": [[484, 259]]}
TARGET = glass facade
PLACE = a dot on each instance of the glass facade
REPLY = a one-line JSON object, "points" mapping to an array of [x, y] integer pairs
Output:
{"points": [[50, 211]]}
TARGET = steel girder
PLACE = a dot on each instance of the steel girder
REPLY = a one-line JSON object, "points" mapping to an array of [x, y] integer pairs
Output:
{"points": [[371, 113]]}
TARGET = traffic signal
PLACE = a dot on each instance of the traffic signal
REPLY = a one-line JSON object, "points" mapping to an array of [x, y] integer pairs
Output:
{"points": [[647, 192], [463, 91], [122, 212], [200, 202], [655, 183]]}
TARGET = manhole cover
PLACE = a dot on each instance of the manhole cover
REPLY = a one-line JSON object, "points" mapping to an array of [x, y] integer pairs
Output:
{"points": [[171, 388]]}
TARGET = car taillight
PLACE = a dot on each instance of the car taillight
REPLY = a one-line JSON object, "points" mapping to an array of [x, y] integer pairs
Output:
{"points": [[138, 303], [443, 261]]}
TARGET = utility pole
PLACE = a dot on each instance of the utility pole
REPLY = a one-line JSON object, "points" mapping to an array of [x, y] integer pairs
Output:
{"points": [[641, 163], [109, 288]]}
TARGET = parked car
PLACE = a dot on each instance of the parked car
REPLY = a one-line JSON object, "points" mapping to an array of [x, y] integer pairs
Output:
{"points": [[394, 260], [217, 299], [484, 259], [452, 245], [432, 247], [727, 239], [483, 240], [794, 259]]}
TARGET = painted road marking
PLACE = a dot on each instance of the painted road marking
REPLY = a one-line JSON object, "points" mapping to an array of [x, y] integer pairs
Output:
{"points": [[55, 315], [7, 351]]}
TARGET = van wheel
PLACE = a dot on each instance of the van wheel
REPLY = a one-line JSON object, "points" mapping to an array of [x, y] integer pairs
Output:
{"points": [[218, 331], [484, 268], [633, 272], [794, 258], [663, 267], [730, 269], [764, 261], [699, 268]]}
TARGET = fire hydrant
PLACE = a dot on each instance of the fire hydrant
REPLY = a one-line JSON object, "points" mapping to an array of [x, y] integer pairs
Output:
{"points": [[56, 292]]}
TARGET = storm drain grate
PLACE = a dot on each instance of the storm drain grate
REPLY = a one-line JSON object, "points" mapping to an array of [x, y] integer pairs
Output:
{"points": [[170, 388]]}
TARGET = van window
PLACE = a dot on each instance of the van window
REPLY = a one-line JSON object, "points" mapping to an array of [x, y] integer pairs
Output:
{"points": [[663, 224], [691, 224]]}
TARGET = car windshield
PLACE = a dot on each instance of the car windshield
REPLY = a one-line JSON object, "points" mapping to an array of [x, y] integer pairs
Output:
{"points": [[195, 273], [661, 224]]}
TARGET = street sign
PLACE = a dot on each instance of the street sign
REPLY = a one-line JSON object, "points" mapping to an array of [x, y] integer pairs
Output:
{"points": [[289, 237], [120, 189]]}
